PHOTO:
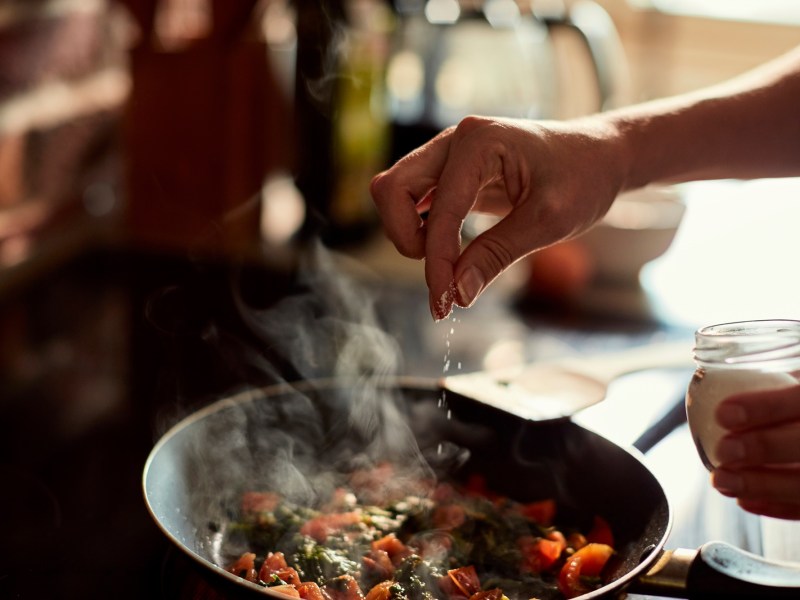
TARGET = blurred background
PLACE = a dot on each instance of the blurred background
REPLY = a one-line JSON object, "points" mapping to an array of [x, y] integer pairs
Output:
{"points": [[163, 163], [234, 128]]}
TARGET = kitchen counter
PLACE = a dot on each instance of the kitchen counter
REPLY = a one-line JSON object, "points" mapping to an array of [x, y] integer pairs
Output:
{"points": [[101, 355]]}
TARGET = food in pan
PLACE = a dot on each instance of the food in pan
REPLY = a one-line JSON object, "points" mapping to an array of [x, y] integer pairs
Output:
{"points": [[454, 542]]}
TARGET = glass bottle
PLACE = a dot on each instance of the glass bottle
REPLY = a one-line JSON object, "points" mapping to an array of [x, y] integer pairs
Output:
{"points": [[737, 357]]}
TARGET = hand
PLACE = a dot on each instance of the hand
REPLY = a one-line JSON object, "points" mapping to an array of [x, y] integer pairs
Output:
{"points": [[760, 457], [547, 181]]}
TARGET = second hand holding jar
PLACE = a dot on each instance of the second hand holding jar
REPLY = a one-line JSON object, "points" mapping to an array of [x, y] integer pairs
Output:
{"points": [[732, 358]]}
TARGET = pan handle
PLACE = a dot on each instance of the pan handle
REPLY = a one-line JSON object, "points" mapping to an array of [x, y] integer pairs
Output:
{"points": [[716, 571]]}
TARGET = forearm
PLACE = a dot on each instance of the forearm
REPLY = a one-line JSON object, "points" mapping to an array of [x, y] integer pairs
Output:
{"points": [[746, 128]]}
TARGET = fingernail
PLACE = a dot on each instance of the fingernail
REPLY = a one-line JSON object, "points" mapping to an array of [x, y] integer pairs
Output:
{"points": [[728, 482], [442, 307], [731, 415], [469, 286], [730, 450]]}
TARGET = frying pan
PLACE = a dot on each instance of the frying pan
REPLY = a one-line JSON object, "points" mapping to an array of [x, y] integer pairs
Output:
{"points": [[293, 438]]}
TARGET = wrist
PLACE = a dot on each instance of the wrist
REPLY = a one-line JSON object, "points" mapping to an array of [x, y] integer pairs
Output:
{"points": [[627, 147]]}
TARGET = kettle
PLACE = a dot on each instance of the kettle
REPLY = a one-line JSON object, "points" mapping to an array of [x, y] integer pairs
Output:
{"points": [[453, 58]]}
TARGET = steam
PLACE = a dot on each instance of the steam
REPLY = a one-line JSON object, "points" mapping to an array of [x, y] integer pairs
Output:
{"points": [[328, 329], [331, 330], [330, 405]]}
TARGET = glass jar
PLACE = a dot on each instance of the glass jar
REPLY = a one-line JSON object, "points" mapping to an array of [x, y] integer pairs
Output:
{"points": [[733, 358]]}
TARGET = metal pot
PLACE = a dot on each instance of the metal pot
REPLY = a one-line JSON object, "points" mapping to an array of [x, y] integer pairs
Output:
{"points": [[196, 473]]}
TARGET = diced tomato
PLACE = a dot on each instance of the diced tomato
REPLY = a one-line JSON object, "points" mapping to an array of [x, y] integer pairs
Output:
{"points": [[380, 591], [600, 533], [378, 563], [492, 594], [449, 516], [286, 590], [343, 587], [309, 590], [322, 526], [256, 502], [289, 575], [466, 579], [539, 554], [542, 512], [392, 545], [450, 590], [273, 562], [245, 567], [586, 562]]}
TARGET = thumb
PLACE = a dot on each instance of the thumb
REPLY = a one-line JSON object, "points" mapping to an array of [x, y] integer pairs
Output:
{"points": [[488, 256]]}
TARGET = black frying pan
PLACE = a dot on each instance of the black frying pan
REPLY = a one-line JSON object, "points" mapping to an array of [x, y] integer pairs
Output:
{"points": [[290, 437]]}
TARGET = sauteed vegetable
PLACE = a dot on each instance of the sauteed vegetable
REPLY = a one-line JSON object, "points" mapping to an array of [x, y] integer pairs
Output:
{"points": [[454, 542]]}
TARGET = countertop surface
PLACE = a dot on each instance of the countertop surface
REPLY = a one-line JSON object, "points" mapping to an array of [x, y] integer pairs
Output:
{"points": [[100, 356]]}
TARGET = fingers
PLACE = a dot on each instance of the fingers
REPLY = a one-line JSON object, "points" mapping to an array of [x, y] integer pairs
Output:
{"points": [[470, 167], [779, 444], [402, 192], [757, 409], [772, 491], [489, 255], [777, 510], [760, 465]]}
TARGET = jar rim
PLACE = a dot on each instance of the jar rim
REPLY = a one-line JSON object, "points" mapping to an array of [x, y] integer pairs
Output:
{"points": [[746, 342], [752, 329]]}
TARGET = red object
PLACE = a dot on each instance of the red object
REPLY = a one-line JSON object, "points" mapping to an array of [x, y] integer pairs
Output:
{"points": [[309, 590], [465, 579], [539, 554], [601, 532], [380, 591], [245, 567], [542, 512], [393, 547], [204, 125], [256, 502], [586, 562], [322, 526]]}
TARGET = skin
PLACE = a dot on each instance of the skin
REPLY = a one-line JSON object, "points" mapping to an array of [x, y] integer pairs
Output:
{"points": [[549, 181], [760, 458]]}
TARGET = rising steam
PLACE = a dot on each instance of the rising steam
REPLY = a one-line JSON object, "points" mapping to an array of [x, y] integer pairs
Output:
{"points": [[332, 406]]}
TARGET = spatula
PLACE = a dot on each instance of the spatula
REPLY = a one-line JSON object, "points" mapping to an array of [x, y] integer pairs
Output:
{"points": [[555, 389]]}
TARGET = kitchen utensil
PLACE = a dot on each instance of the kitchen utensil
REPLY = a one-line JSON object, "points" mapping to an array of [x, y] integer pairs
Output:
{"points": [[557, 389], [195, 474]]}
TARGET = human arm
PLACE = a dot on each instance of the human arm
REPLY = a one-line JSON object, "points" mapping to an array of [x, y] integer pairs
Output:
{"points": [[551, 181]]}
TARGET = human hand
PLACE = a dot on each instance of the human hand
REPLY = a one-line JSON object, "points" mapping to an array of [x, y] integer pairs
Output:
{"points": [[548, 182], [760, 457]]}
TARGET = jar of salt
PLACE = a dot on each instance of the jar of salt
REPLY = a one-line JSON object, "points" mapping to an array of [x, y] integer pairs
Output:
{"points": [[739, 357]]}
